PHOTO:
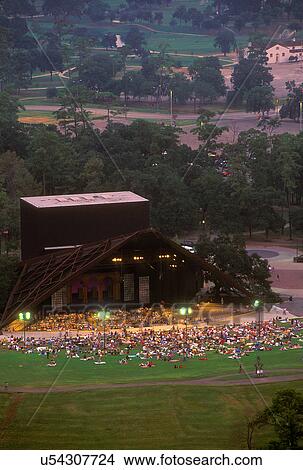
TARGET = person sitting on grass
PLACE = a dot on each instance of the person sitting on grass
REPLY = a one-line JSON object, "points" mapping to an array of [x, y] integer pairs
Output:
{"points": [[52, 363]]}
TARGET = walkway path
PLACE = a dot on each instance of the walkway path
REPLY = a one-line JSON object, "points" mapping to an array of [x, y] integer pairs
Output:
{"points": [[287, 276], [209, 381]]}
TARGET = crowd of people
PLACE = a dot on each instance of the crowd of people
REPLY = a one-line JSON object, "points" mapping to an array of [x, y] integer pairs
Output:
{"points": [[158, 344], [137, 318]]}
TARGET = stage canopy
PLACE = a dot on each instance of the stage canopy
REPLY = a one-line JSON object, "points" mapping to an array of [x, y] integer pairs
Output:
{"points": [[41, 277]]}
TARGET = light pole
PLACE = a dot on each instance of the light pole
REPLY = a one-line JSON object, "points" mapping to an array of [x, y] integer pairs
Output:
{"points": [[171, 106], [185, 311], [257, 305], [24, 317], [104, 315]]}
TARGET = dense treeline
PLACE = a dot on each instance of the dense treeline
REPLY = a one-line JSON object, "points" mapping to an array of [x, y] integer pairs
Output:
{"points": [[253, 184], [107, 76], [219, 190], [210, 16]]}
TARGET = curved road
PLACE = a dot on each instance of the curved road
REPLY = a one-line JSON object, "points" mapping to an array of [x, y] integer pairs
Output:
{"points": [[235, 121]]}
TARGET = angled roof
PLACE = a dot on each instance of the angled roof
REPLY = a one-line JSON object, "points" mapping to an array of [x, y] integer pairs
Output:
{"points": [[43, 276], [68, 200], [289, 43]]}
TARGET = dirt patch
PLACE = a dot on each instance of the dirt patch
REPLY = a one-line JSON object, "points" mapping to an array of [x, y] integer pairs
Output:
{"points": [[10, 414], [37, 120]]}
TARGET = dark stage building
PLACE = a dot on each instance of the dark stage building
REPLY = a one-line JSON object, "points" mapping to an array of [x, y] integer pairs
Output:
{"points": [[58, 222], [124, 267]]}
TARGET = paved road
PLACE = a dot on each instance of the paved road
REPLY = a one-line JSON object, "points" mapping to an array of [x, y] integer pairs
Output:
{"points": [[236, 122], [287, 276], [130, 114]]}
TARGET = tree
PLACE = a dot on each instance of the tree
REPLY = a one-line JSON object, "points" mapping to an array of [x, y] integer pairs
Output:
{"points": [[57, 8], [108, 99], [8, 277], [228, 253], [18, 7], [51, 161], [252, 187], [97, 71], [181, 88], [292, 108], [159, 17], [11, 135], [92, 176], [15, 182], [21, 68], [82, 46], [208, 81], [225, 39], [172, 210], [260, 99], [181, 14], [52, 60], [287, 170], [72, 115], [297, 9], [239, 22], [285, 416], [204, 183], [4, 57], [97, 10], [109, 40], [137, 85], [250, 73], [136, 40], [204, 91], [207, 132], [269, 124]]}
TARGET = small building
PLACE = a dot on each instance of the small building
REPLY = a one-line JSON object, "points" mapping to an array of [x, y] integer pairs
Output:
{"points": [[282, 51], [285, 51]]}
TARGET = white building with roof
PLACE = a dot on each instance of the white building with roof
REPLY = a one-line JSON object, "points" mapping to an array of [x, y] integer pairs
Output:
{"points": [[283, 51]]}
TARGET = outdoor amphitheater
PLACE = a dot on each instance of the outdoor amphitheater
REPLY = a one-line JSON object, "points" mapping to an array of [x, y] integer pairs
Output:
{"points": [[117, 342]]}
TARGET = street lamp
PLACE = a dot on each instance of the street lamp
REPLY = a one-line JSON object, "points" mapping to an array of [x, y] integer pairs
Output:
{"points": [[257, 305], [171, 106], [103, 315], [185, 311], [24, 317]]}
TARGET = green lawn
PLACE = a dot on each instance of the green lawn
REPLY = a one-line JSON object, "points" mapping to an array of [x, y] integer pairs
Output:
{"points": [[39, 101], [155, 417], [31, 370], [46, 82], [176, 41], [166, 417], [30, 113]]}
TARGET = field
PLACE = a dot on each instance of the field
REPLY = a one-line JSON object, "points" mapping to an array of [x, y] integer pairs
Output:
{"points": [[37, 117], [162, 417], [31, 370], [156, 36], [203, 405]]}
